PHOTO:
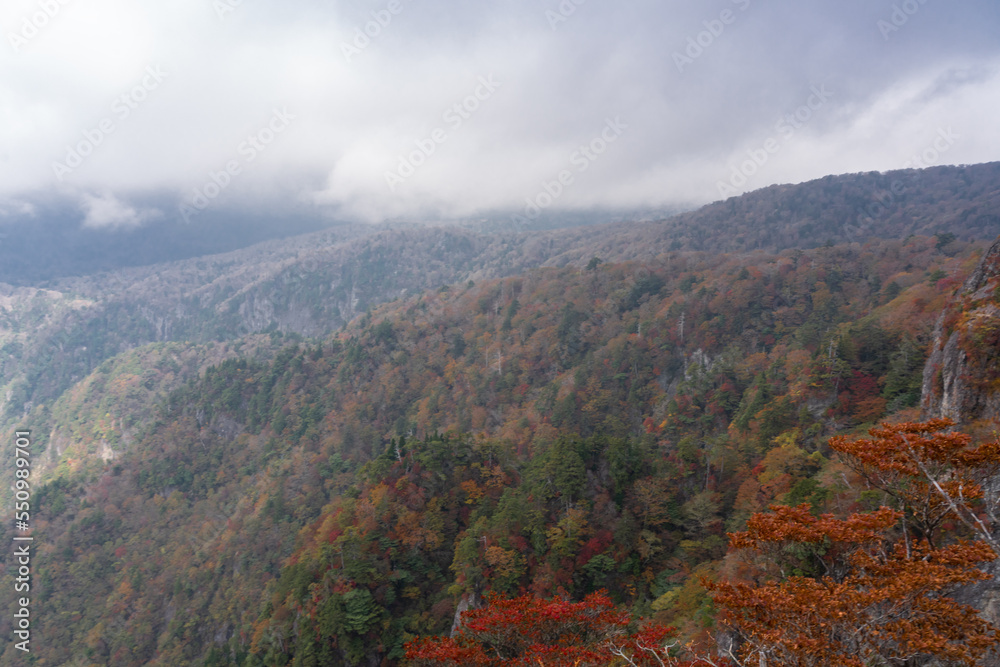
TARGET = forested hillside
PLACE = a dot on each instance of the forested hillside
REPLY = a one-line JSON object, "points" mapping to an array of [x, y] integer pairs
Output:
{"points": [[320, 501], [314, 284], [856, 207]]}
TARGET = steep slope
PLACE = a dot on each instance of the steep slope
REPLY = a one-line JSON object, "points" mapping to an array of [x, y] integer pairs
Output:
{"points": [[99, 418], [961, 380], [623, 417], [723, 374], [962, 373], [312, 285]]}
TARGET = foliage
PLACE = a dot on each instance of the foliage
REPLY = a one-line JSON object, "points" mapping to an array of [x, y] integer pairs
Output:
{"points": [[933, 475], [280, 502], [866, 590], [529, 631]]}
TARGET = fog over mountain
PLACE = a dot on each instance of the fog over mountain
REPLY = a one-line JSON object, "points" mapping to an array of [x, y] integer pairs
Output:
{"points": [[138, 114]]}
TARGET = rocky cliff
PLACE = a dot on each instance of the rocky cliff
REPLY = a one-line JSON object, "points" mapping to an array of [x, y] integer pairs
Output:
{"points": [[962, 375], [962, 381]]}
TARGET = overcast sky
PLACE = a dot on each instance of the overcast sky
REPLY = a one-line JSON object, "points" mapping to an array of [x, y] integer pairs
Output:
{"points": [[375, 109]]}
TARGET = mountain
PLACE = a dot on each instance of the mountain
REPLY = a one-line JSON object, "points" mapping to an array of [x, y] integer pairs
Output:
{"points": [[47, 242], [963, 201], [194, 534], [47, 239], [312, 285], [307, 451]]}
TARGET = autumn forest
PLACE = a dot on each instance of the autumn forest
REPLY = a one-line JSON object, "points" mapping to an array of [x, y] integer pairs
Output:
{"points": [[780, 456]]}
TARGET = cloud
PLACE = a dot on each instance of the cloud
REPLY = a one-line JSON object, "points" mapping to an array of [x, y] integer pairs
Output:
{"points": [[370, 81], [106, 211]]}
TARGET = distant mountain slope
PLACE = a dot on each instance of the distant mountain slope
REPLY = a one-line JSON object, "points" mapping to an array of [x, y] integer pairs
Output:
{"points": [[313, 284], [47, 239], [964, 201], [50, 243], [961, 200]]}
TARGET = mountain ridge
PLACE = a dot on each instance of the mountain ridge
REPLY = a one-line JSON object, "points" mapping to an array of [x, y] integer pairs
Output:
{"points": [[314, 284], [243, 459]]}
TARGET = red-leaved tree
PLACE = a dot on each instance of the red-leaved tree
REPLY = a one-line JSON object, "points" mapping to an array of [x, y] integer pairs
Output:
{"points": [[553, 633]]}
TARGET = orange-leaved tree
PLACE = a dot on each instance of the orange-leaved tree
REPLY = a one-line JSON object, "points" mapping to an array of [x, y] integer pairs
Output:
{"points": [[553, 633], [877, 601], [932, 475], [874, 588]]}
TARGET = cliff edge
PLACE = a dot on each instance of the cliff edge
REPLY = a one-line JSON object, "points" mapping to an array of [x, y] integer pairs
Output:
{"points": [[962, 375]]}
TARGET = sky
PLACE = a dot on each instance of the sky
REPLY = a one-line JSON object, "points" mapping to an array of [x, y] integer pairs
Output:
{"points": [[367, 110]]}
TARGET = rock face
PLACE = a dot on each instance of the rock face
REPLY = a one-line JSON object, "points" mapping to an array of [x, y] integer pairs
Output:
{"points": [[468, 601], [962, 375], [962, 382]]}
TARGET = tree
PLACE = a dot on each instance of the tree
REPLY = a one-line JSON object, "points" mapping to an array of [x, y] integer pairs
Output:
{"points": [[878, 602], [932, 475], [943, 239], [554, 633], [873, 589]]}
